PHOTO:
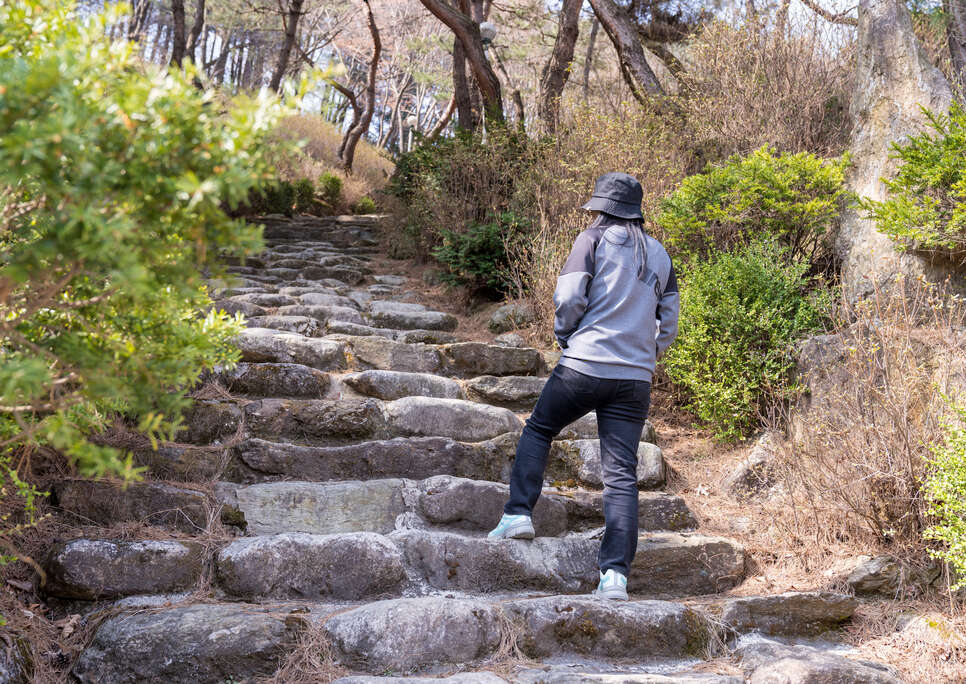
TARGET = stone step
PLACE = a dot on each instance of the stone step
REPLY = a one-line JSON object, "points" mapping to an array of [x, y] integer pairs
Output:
{"points": [[577, 675], [104, 502], [265, 460], [288, 380], [200, 643], [666, 564], [459, 359], [441, 501]]}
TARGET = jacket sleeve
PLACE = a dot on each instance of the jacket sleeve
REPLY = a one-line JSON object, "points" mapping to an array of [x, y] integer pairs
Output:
{"points": [[570, 296], [668, 309]]}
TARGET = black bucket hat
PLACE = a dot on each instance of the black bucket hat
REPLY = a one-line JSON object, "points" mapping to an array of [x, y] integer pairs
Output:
{"points": [[617, 194]]}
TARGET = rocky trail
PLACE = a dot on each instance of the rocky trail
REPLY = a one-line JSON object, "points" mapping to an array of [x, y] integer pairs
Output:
{"points": [[334, 490]]}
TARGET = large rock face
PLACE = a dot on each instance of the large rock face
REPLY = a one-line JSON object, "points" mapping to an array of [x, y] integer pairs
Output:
{"points": [[895, 80]]}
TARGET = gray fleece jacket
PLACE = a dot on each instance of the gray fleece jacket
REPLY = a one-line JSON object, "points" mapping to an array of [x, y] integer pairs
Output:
{"points": [[616, 301]]}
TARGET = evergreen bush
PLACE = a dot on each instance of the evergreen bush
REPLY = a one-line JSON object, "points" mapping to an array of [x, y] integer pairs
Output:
{"points": [[478, 257], [741, 313], [330, 189], [926, 206], [945, 491], [304, 195], [795, 198], [365, 205]]}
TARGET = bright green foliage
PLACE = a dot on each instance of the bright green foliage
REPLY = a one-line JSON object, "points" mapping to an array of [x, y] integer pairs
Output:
{"points": [[926, 206], [795, 198], [478, 257], [304, 191], [365, 205], [113, 179], [945, 491], [330, 189], [741, 312], [275, 197]]}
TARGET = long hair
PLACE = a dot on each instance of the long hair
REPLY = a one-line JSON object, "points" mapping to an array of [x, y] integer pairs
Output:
{"points": [[634, 228]]}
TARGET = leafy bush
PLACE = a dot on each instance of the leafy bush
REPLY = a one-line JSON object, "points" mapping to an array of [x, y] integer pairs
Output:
{"points": [[113, 179], [926, 207], [741, 312], [366, 205], [457, 183], [330, 189], [304, 191], [795, 198], [478, 258], [945, 491]]}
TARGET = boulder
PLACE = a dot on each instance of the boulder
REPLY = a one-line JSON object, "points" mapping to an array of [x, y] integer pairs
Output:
{"points": [[302, 325], [790, 614], [105, 503], [630, 632], [416, 457], [568, 675], [310, 566], [344, 328], [201, 643], [754, 473], [207, 422], [461, 678], [449, 561], [586, 428], [99, 568], [772, 663], [511, 316], [320, 507], [685, 564], [372, 352], [470, 504], [265, 300], [319, 420], [424, 336], [395, 385], [455, 418], [471, 359], [298, 291], [415, 320], [414, 633], [392, 306], [885, 575], [261, 345], [518, 392], [581, 459], [896, 80], [656, 511], [327, 299], [275, 380], [510, 340], [394, 280], [16, 662], [324, 313]]}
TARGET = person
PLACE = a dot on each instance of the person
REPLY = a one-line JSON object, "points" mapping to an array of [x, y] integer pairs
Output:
{"points": [[617, 309]]}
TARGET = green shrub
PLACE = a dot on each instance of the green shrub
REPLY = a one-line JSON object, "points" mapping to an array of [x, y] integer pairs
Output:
{"points": [[330, 189], [304, 192], [365, 205], [926, 206], [741, 312], [114, 176], [795, 198], [478, 257], [945, 491]]}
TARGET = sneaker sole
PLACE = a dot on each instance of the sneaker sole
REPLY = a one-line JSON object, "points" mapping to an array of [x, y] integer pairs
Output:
{"points": [[517, 532], [611, 595]]}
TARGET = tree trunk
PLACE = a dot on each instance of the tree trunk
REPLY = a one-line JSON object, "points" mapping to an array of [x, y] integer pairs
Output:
{"points": [[443, 121], [623, 34], [139, 16], [196, 31], [956, 37], [589, 61], [291, 24], [465, 117], [557, 70], [178, 42], [361, 123], [218, 73], [468, 32]]}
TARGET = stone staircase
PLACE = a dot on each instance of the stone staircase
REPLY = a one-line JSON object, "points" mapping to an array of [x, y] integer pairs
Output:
{"points": [[357, 457]]}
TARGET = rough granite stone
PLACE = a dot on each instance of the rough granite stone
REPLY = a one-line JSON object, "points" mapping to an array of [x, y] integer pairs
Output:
{"points": [[309, 566], [516, 392], [260, 345], [395, 385], [789, 614], [201, 643], [472, 359], [106, 503], [455, 418], [275, 380], [301, 325]]}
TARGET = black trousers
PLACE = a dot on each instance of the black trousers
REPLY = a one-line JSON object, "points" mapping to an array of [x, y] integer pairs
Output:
{"points": [[621, 407]]}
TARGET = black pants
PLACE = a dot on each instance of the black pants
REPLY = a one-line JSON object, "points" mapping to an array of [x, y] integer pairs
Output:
{"points": [[621, 407]]}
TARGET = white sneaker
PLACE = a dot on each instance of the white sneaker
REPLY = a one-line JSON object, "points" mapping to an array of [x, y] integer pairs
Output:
{"points": [[513, 527], [613, 585]]}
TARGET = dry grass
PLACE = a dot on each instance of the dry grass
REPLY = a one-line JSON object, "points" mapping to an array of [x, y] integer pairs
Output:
{"points": [[371, 168]]}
